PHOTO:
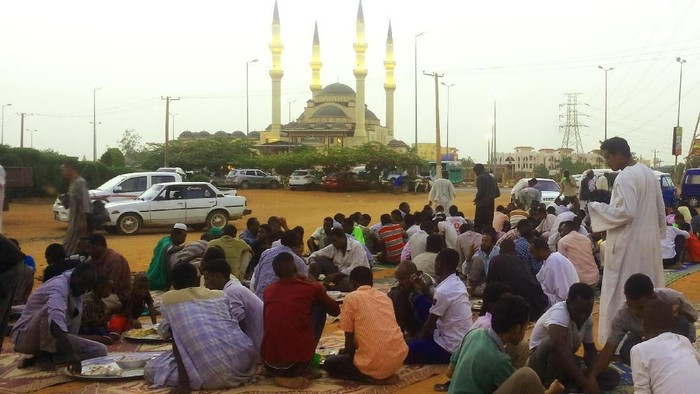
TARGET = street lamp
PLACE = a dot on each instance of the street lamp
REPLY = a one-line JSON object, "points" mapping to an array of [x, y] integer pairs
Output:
{"points": [[289, 111], [488, 152], [247, 121], [680, 85], [172, 116], [31, 138], [2, 124], [677, 131], [447, 142], [415, 85], [606, 97], [94, 124]]}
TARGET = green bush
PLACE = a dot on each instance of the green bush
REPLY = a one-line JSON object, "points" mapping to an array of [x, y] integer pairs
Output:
{"points": [[200, 178]]}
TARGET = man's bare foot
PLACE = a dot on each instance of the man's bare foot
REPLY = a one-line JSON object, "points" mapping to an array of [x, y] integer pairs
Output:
{"points": [[391, 380], [555, 388], [295, 383], [312, 374]]}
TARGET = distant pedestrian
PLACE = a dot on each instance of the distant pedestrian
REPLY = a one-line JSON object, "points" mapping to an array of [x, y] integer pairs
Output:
{"points": [[78, 203], [443, 192], [567, 186], [486, 194]]}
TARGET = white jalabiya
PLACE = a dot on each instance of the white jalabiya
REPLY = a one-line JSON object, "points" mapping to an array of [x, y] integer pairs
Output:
{"points": [[635, 224], [442, 193], [556, 277]]}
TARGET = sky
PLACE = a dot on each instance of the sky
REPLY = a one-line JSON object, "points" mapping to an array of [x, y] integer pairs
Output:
{"points": [[525, 54]]}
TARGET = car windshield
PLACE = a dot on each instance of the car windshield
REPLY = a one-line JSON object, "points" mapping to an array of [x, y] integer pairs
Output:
{"points": [[231, 173], [300, 173], [547, 186], [151, 193], [110, 184]]}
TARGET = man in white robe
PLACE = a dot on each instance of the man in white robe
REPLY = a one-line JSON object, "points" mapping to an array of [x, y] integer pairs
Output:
{"points": [[443, 192], [635, 223]]}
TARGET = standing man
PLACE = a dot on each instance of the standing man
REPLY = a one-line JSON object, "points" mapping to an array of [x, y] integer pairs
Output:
{"points": [[486, 193], [78, 204], [530, 194], [635, 204], [567, 186], [443, 192]]}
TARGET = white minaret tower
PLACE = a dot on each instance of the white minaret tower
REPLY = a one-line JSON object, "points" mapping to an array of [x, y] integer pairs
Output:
{"points": [[360, 72], [390, 84], [276, 75], [315, 65]]}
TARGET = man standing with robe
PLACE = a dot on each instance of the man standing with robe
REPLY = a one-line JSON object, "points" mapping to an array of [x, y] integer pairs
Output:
{"points": [[486, 194], [443, 192], [634, 217], [79, 207]]}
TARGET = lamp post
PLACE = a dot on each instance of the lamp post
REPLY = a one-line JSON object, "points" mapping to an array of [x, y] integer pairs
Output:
{"points": [[488, 152], [415, 86], [289, 110], [247, 106], [447, 139], [677, 131], [606, 97], [31, 137], [2, 124], [172, 117], [94, 124]]}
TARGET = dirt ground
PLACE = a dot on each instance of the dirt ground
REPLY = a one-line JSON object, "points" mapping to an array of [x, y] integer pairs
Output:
{"points": [[31, 221]]}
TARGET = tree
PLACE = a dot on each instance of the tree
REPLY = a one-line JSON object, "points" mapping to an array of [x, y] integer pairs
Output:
{"points": [[130, 145], [578, 167], [113, 157], [540, 171]]}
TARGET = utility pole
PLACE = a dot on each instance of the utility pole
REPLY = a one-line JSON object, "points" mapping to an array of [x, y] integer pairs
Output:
{"points": [[167, 99], [415, 87], [692, 143], [678, 130], [447, 132], [606, 97], [438, 149], [653, 164], [289, 110], [21, 128], [172, 116]]}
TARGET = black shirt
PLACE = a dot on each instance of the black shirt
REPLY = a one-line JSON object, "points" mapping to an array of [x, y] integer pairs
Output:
{"points": [[57, 269], [515, 273]]}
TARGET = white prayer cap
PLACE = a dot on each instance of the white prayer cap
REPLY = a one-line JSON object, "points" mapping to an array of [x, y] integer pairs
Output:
{"points": [[180, 226]]}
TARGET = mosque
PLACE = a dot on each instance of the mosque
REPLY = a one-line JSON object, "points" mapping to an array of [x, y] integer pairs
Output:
{"points": [[336, 115]]}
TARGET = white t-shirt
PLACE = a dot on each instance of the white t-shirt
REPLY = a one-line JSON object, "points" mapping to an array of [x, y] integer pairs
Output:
{"points": [[426, 262], [447, 229], [412, 231], [451, 305], [457, 222], [559, 315], [668, 245], [666, 364], [556, 277]]}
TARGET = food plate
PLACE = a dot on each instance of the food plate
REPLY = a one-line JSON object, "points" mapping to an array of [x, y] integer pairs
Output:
{"points": [[106, 368], [145, 333]]}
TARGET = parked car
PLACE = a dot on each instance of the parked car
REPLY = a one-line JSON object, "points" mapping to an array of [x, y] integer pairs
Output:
{"points": [[343, 181], [120, 188], [308, 179], [690, 187], [549, 188], [245, 178], [176, 170], [198, 204], [219, 179]]}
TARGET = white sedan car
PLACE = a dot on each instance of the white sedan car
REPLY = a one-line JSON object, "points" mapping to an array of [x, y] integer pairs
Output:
{"points": [[198, 204], [548, 187]]}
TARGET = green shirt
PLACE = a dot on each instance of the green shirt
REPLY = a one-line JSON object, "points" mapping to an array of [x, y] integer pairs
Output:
{"points": [[480, 365], [357, 233], [233, 249]]}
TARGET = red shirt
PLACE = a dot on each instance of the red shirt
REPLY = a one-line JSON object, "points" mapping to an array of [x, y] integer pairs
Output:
{"points": [[392, 235], [289, 335]]}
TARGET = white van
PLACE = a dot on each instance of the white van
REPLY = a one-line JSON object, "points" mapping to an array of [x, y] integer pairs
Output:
{"points": [[121, 188]]}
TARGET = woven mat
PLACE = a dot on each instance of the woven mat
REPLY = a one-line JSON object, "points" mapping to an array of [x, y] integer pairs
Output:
{"points": [[671, 276]]}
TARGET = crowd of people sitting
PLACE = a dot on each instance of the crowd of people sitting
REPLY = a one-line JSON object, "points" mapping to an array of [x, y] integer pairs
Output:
{"points": [[233, 302]]}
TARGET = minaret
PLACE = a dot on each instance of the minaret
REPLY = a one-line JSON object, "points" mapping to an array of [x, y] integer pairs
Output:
{"points": [[360, 72], [390, 84], [276, 74], [315, 65]]}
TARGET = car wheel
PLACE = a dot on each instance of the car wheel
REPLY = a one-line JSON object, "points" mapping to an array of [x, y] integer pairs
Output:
{"points": [[129, 223], [245, 185], [217, 219], [693, 201], [274, 185]]}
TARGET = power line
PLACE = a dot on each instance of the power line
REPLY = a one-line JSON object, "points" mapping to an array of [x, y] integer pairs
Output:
{"points": [[572, 136]]}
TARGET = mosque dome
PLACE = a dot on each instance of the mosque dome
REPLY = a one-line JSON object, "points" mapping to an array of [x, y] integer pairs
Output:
{"points": [[203, 134], [186, 134], [397, 144], [337, 89], [329, 112], [254, 135], [221, 133], [370, 115], [238, 134]]}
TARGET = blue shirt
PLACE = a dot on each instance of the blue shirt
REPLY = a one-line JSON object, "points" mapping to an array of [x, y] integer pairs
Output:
{"points": [[265, 275], [487, 257], [522, 250], [248, 237], [29, 262]]}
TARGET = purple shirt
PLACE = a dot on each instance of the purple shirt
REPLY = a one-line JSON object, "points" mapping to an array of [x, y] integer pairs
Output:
{"points": [[246, 308], [264, 274], [55, 298]]}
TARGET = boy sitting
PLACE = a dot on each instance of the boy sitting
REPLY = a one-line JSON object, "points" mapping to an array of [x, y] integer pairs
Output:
{"points": [[95, 313], [139, 299], [374, 346]]}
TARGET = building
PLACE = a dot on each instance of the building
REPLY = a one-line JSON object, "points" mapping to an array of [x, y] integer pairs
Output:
{"points": [[426, 151], [336, 115], [526, 158]]}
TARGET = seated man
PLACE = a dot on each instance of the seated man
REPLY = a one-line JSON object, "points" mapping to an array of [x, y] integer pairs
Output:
{"points": [[294, 314], [478, 268], [114, 266], [250, 234], [264, 274], [426, 261], [194, 251], [627, 323], [391, 240], [336, 260], [210, 351], [234, 249], [665, 362], [556, 338], [412, 298], [243, 305], [482, 366], [578, 248], [446, 230], [557, 273], [57, 261], [319, 238], [374, 345], [673, 245], [416, 244], [468, 241], [508, 269], [24, 277], [449, 319], [523, 244], [49, 325], [159, 268], [545, 225]]}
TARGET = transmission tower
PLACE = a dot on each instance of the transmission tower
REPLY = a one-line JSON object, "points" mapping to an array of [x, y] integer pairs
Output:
{"points": [[572, 136]]}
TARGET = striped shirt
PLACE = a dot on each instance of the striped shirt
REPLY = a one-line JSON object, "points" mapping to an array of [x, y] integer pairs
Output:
{"points": [[392, 236]]}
